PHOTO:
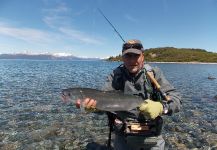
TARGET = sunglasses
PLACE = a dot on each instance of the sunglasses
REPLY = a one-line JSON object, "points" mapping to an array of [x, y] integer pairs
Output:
{"points": [[135, 46], [131, 56]]}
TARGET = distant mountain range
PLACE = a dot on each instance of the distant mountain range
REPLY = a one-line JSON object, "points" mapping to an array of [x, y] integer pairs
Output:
{"points": [[57, 56]]}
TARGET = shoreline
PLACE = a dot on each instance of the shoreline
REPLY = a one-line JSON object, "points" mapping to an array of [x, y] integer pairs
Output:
{"points": [[205, 63], [149, 62]]}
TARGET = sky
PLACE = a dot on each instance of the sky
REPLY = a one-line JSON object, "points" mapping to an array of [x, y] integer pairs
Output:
{"points": [[76, 27]]}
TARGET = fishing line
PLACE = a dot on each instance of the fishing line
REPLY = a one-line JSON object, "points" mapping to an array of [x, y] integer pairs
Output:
{"points": [[100, 11]]}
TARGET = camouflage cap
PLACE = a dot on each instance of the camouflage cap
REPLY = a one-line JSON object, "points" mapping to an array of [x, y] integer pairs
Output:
{"points": [[132, 46]]}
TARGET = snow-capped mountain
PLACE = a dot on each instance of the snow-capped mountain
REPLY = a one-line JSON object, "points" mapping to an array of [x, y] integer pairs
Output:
{"points": [[44, 56]]}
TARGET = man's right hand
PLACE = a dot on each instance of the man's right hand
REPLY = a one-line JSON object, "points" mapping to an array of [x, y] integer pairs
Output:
{"points": [[88, 104]]}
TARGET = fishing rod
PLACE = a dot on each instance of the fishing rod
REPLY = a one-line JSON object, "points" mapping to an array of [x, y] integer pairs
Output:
{"points": [[157, 85], [100, 11], [109, 114]]}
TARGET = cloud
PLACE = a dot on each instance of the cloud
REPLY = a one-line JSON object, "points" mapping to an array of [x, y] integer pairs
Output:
{"points": [[78, 35], [61, 29], [26, 34], [57, 16], [58, 19], [60, 8], [130, 18], [55, 21], [44, 37]]}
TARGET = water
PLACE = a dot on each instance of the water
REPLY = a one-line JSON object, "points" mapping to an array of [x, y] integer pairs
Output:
{"points": [[32, 116]]}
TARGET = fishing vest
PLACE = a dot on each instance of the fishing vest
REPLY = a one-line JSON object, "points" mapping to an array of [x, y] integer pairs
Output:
{"points": [[139, 85]]}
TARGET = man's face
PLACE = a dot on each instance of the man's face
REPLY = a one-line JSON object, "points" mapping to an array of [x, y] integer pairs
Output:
{"points": [[133, 62]]}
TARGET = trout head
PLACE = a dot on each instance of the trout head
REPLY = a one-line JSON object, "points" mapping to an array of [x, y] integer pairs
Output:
{"points": [[71, 94]]}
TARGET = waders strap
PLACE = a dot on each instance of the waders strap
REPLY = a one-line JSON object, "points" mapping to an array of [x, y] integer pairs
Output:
{"points": [[111, 118], [109, 137]]}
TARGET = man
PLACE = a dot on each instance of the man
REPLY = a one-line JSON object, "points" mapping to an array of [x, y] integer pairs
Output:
{"points": [[139, 129]]}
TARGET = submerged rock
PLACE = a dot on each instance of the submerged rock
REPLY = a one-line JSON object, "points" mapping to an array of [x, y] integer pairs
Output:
{"points": [[39, 135], [211, 77], [9, 146], [2, 136], [42, 145]]}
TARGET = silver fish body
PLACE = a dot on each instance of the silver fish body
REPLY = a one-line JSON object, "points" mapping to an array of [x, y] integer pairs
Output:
{"points": [[111, 101]]}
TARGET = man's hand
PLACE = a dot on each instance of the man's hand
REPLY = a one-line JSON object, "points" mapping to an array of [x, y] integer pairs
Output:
{"points": [[88, 104], [151, 109]]}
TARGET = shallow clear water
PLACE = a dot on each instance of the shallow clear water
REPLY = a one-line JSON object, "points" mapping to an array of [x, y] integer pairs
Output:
{"points": [[32, 116]]}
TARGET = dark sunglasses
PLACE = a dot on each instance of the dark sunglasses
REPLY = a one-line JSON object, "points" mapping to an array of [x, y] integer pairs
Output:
{"points": [[131, 55], [135, 46]]}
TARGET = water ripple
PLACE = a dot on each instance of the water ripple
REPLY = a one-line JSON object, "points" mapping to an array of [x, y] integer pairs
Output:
{"points": [[32, 115]]}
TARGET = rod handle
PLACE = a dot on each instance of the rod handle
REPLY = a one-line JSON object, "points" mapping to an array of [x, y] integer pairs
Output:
{"points": [[157, 85], [153, 80]]}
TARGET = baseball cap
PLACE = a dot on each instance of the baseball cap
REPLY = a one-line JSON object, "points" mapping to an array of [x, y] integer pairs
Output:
{"points": [[132, 46]]}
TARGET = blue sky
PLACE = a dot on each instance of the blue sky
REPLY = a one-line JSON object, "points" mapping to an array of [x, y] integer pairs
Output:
{"points": [[76, 27]]}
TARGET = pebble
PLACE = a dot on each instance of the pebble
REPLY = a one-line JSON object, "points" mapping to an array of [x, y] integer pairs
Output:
{"points": [[2, 136], [9, 146]]}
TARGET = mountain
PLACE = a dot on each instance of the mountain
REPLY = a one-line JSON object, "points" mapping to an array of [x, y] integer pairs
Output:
{"points": [[57, 56], [171, 54]]}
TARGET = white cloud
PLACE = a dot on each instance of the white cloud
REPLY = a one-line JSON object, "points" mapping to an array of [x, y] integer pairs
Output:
{"points": [[61, 8], [44, 37], [55, 21], [57, 16], [58, 19], [130, 18], [62, 31], [78, 35], [26, 34]]}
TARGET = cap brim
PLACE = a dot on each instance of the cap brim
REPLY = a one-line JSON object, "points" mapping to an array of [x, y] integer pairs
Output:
{"points": [[132, 50]]}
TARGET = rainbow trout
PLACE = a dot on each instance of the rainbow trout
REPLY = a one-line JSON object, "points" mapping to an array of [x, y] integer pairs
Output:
{"points": [[111, 101]]}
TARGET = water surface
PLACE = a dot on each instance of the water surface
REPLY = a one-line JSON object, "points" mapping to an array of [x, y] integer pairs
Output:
{"points": [[32, 116]]}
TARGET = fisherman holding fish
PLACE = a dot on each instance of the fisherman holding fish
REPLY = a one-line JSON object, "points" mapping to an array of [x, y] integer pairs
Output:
{"points": [[140, 128]]}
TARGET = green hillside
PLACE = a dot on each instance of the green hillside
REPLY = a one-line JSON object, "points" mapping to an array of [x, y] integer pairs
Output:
{"points": [[171, 54]]}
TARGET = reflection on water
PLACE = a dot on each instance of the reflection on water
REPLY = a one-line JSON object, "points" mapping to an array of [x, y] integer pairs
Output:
{"points": [[33, 117]]}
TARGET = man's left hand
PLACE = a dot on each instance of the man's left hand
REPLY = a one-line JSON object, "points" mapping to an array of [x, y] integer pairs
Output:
{"points": [[151, 109]]}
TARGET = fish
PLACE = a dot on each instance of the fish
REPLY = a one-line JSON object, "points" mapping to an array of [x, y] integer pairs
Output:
{"points": [[110, 101]]}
